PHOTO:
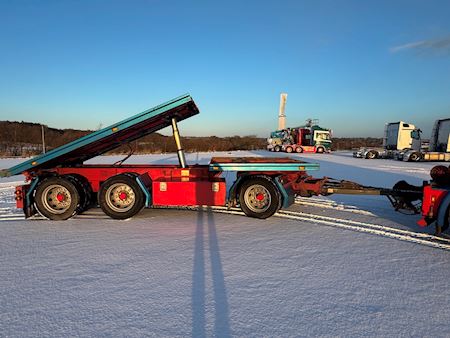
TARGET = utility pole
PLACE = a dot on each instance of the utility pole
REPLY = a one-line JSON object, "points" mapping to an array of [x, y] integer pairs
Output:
{"points": [[43, 139]]}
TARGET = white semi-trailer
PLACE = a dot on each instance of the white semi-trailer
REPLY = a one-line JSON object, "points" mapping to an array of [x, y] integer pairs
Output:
{"points": [[398, 137], [439, 148]]}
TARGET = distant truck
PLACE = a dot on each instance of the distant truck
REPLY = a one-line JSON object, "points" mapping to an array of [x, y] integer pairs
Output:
{"points": [[439, 146], [310, 138], [399, 137], [275, 141]]}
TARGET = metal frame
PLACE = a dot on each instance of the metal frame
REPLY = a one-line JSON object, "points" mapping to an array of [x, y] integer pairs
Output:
{"points": [[274, 167]]}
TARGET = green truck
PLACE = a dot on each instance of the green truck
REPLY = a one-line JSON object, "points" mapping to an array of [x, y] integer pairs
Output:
{"points": [[310, 138]]}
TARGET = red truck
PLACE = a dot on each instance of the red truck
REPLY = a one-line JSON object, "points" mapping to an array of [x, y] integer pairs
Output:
{"points": [[306, 139]]}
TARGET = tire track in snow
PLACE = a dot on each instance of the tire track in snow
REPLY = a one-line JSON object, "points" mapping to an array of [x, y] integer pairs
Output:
{"points": [[382, 230], [8, 211], [10, 185], [7, 214], [374, 229], [327, 204]]}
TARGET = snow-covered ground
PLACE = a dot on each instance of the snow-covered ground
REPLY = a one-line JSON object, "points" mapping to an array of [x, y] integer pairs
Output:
{"points": [[341, 266]]}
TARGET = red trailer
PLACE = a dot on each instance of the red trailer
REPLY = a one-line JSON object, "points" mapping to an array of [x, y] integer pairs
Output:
{"points": [[60, 185]]}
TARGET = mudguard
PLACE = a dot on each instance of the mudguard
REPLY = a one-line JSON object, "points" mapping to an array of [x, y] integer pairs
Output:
{"points": [[148, 196], [28, 208], [231, 199], [286, 192]]}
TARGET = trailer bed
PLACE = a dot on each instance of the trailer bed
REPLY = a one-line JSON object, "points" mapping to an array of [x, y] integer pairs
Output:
{"points": [[106, 139], [273, 164]]}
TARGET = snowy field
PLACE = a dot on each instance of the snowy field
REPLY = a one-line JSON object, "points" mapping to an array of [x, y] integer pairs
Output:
{"points": [[334, 266]]}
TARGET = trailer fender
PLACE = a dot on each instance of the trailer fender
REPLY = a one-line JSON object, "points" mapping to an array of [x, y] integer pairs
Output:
{"points": [[28, 208], [231, 199], [287, 194], [442, 212], [148, 196]]}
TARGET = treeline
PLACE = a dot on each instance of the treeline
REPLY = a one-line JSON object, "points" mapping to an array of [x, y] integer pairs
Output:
{"points": [[347, 143], [25, 139], [157, 143]]}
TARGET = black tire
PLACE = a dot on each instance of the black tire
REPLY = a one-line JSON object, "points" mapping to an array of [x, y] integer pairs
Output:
{"points": [[371, 155], [277, 148], [120, 197], [446, 220], [320, 150], [84, 191], [299, 150], [415, 157], [57, 198], [289, 149], [259, 197]]}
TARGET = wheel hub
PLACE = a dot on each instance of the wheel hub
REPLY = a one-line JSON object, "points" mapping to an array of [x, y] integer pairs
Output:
{"points": [[120, 197], [56, 199], [257, 198]]}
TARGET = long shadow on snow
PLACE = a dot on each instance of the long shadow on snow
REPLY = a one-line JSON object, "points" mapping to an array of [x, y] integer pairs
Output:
{"points": [[221, 308]]}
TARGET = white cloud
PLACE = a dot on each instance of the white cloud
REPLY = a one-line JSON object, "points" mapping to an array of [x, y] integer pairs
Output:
{"points": [[441, 45]]}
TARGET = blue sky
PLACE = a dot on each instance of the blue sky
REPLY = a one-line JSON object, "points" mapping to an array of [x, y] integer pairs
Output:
{"points": [[354, 65]]}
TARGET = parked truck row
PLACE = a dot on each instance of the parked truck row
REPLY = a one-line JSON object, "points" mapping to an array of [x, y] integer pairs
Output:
{"points": [[403, 141]]}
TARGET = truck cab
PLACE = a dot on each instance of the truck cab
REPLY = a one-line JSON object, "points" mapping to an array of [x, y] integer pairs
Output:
{"points": [[399, 138], [309, 139], [275, 141], [438, 148]]}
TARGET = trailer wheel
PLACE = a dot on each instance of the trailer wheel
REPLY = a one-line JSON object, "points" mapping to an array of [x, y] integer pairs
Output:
{"points": [[84, 191], [277, 148], [259, 197], [289, 149], [57, 198], [120, 197], [371, 155], [320, 150], [299, 150], [415, 157]]}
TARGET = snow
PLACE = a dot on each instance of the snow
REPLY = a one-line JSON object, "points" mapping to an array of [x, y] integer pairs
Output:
{"points": [[177, 273]]}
